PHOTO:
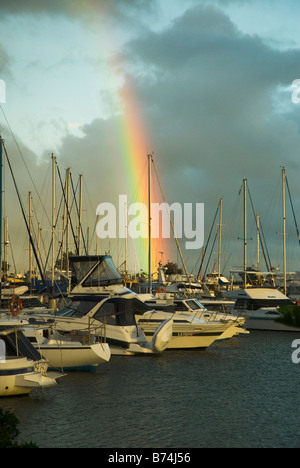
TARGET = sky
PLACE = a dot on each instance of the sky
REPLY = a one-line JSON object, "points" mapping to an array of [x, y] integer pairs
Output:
{"points": [[205, 86]]}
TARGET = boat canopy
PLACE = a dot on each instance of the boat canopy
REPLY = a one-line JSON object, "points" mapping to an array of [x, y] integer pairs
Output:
{"points": [[94, 270], [16, 344], [115, 310], [122, 308]]}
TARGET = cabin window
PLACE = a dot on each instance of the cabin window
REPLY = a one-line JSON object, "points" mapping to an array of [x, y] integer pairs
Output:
{"points": [[106, 313], [180, 306], [76, 309], [193, 305]]}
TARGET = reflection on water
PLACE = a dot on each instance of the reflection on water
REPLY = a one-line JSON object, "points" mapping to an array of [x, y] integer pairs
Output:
{"points": [[238, 393]]}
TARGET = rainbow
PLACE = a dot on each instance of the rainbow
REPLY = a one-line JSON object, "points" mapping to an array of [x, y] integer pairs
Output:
{"points": [[133, 147]]}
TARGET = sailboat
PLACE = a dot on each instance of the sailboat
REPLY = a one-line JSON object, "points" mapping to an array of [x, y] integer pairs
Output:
{"points": [[22, 368], [261, 306]]}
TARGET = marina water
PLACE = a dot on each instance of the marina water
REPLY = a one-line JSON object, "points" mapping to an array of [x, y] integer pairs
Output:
{"points": [[238, 393]]}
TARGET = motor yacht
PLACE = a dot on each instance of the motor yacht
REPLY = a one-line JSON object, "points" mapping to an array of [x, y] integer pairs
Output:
{"points": [[99, 304], [261, 306], [113, 317], [188, 331], [194, 308], [98, 299]]}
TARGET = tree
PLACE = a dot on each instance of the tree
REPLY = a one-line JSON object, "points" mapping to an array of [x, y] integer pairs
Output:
{"points": [[172, 269], [9, 431]]}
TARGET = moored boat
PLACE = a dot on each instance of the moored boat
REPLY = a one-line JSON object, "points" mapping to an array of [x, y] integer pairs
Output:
{"points": [[98, 301], [261, 308], [73, 350], [193, 308], [188, 331], [22, 368]]}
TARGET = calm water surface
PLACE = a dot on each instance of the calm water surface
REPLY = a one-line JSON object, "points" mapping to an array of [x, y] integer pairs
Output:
{"points": [[238, 393]]}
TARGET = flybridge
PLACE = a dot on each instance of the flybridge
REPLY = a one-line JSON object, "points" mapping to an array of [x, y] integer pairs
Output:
{"points": [[96, 275], [94, 270]]}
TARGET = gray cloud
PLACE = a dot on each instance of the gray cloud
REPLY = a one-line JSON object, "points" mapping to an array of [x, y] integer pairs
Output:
{"points": [[4, 61], [74, 8], [213, 90]]}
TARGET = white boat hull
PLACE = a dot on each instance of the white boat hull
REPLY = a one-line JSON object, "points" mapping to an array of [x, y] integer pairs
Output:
{"points": [[188, 337], [18, 377], [74, 355]]}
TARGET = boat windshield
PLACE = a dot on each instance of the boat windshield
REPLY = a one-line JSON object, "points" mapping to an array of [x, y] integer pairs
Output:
{"points": [[181, 306], [104, 274], [199, 304], [76, 309], [95, 271], [193, 304]]}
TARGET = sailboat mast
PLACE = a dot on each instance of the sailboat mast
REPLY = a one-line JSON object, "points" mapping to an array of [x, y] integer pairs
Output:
{"points": [[68, 219], [1, 198], [257, 240], [80, 214], [30, 246], [5, 247], [149, 223], [245, 232], [283, 221], [53, 218], [220, 238]]}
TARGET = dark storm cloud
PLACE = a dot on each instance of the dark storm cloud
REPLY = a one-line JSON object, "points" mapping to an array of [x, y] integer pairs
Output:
{"points": [[208, 92], [73, 8], [210, 95]]}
